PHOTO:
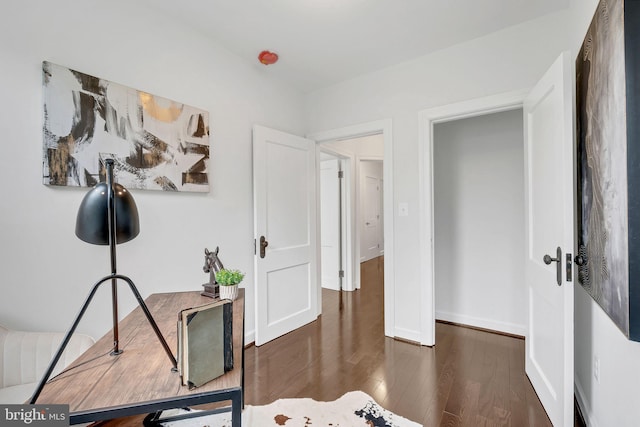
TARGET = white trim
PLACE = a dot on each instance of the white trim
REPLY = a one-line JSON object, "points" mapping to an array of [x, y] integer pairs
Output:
{"points": [[477, 107], [587, 411], [249, 337], [426, 119], [479, 322], [364, 129]]}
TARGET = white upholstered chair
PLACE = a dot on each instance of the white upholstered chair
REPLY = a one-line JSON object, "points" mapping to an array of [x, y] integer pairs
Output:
{"points": [[25, 356]]}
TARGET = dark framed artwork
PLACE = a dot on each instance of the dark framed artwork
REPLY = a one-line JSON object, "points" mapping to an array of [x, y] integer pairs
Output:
{"points": [[608, 162], [156, 143]]}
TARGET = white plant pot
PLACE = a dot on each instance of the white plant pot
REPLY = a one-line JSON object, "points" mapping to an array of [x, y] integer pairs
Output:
{"points": [[229, 292]]}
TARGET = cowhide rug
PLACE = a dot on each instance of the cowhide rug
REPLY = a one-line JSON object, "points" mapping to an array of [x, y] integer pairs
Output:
{"points": [[353, 409]]}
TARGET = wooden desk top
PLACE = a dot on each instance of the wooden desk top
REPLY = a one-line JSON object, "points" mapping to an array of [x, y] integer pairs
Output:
{"points": [[142, 373]]}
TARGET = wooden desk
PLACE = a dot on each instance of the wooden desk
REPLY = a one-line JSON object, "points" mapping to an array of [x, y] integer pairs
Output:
{"points": [[140, 380]]}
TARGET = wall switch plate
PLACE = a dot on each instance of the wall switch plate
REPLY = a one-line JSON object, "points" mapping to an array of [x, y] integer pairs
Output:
{"points": [[403, 209]]}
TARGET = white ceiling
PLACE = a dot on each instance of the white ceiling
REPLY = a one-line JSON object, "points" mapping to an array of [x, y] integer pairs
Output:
{"points": [[322, 42]]}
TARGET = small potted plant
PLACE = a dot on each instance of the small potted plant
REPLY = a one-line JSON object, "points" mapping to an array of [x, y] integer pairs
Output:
{"points": [[228, 281]]}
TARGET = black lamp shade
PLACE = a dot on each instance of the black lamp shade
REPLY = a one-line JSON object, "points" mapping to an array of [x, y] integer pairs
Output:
{"points": [[92, 223]]}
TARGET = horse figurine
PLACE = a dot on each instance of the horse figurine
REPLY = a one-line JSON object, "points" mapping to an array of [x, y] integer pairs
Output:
{"points": [[212, 265]]}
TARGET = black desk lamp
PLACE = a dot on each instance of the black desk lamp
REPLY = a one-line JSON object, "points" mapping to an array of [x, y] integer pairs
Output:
{"points": [[107, 216]]}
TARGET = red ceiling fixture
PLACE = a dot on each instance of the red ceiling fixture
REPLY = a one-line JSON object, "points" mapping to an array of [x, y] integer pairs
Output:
{"points": [[267, 57]]}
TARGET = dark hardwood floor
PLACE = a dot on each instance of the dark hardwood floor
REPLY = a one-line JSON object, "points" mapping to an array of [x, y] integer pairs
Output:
{"points": [[470, 378]]}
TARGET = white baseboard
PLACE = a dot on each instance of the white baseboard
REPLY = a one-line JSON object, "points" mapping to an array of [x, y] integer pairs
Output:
{"points": [[587, 412], [478, 322], [249, 337]]}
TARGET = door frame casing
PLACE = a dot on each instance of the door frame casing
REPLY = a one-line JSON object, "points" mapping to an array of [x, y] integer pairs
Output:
{"points": [[365, 129], [426, 120]]}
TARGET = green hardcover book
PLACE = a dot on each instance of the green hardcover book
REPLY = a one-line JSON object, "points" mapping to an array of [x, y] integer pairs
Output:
{"points": [[205, 339]]}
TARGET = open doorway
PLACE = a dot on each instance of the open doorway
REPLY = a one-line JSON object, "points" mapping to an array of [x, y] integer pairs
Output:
{"points": [[336, 141], [478, 181], [363, 197], [428, 120]]}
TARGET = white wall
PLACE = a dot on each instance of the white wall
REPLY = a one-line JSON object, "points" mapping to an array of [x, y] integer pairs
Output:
{"points": [[371, 146], [501, 62], [611, 400], [46, 270], [479, 221]]}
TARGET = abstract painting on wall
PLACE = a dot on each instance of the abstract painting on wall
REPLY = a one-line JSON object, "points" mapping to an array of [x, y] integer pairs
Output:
{"points": [[608, 180], [157, 144]]}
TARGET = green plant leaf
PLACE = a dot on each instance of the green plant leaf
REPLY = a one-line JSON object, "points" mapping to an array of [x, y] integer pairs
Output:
{"points": [[226, 277]]}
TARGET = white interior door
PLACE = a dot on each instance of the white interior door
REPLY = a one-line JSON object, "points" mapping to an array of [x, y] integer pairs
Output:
{"points": [[330, 224], [371, 218], [284, 174], [549, 203]]}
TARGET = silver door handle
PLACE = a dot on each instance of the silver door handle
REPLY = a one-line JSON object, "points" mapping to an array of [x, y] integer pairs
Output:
{"points": [[548, 260]]}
